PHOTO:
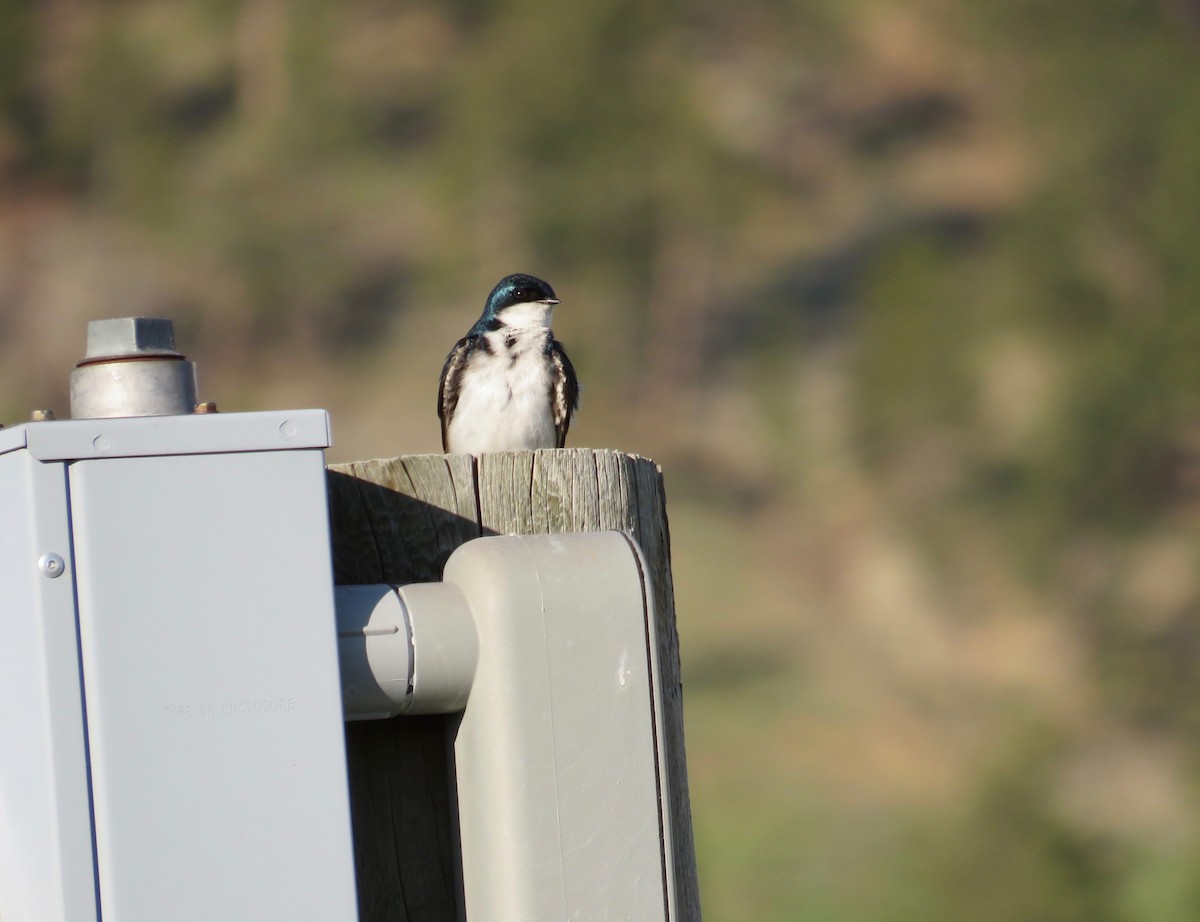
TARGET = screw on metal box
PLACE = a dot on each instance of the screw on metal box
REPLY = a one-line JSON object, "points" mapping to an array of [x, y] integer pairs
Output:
{"points": [[51, 565], [132, 369], [41, 416]]}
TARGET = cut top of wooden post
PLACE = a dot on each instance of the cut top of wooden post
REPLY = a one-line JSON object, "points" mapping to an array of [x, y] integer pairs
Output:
{"points": [[397, 520]]}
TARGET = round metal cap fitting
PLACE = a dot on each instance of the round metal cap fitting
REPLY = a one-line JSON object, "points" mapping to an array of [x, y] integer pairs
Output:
{"points": [[51, 565]]}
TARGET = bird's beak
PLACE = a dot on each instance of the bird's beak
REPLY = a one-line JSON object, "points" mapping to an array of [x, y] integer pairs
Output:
{"points": [[549, 301]]}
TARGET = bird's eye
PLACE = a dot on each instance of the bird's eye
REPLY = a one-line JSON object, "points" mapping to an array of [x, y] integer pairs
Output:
{"points": [[520, 294]]}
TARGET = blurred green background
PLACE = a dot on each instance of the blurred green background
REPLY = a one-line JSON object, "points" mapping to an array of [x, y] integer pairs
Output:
{"points": [[903, 295]]}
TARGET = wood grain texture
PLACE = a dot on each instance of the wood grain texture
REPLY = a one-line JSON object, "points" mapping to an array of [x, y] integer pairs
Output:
{"points": [[397, 521]]}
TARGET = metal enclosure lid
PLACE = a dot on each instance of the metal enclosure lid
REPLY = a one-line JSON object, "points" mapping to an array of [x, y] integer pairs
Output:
{"points": [[209, 433], [206, 626]]}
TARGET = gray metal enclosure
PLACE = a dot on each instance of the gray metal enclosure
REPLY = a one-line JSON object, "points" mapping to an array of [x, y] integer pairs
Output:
{"points": [[195, 552]]}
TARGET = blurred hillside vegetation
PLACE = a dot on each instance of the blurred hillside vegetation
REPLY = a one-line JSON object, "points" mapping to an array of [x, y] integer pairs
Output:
{"points": [[903, 295]]}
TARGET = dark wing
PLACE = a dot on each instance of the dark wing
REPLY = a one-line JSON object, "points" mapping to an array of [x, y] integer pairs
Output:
{"points": [[564, 390], [451, 383]]}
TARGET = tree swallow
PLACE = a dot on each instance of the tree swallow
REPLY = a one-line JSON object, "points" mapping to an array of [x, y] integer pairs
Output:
{"points": [[508, 385]]}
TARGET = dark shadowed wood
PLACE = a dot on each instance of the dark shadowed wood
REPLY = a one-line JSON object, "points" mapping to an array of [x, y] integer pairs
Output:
{"points": [[396, 521]]}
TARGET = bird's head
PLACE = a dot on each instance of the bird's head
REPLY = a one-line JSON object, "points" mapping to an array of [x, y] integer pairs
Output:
{"points": [[520, 300]]}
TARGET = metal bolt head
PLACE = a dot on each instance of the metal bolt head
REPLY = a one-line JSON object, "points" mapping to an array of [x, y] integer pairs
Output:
{"points": [[41, 416], [51, 565], [130, 337], [207, 407]]}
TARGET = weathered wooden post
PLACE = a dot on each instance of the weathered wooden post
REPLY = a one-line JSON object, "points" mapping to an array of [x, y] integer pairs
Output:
{"points": [[397, 521]]}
